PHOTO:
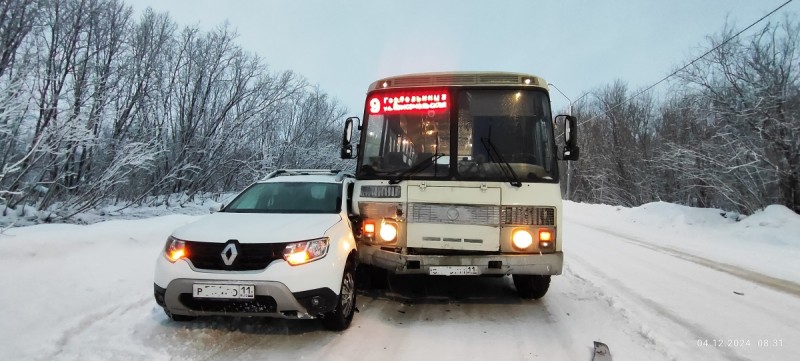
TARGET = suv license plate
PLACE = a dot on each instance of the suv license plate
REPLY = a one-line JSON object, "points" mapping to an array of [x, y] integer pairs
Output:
{"points": [[454, 271], [204, 290]]}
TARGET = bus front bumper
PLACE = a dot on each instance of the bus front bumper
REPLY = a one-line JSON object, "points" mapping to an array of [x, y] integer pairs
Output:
{"points": [[501, 264]]}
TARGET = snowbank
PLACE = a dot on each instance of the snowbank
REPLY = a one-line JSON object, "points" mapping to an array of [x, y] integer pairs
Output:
{"points": [[767, 241], [174, 204]]}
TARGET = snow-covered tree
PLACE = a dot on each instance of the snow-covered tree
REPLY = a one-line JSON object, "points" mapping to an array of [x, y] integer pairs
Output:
{"points": [[98, 105]]}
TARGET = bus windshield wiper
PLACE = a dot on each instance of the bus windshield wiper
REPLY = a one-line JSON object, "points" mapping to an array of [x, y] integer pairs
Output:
{"points": [[416, 167], [504, 166]]}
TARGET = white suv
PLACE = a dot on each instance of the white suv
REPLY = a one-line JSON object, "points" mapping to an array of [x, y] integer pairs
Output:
{"points": [[283, 248]]}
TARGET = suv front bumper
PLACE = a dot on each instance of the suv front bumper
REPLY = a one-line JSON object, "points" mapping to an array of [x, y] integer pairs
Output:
{"points": [[272, 299], [501, 264]]}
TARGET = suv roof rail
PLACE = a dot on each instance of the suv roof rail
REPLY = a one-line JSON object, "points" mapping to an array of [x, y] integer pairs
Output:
{"points": [[342, 174], [283, 172]]}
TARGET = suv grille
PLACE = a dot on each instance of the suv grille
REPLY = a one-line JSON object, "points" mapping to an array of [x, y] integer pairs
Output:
{"points": [[261, 304], [250, 257]]}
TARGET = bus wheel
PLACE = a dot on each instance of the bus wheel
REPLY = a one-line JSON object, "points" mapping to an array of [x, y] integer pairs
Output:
{"points": [[372, 278], [531, 286]]}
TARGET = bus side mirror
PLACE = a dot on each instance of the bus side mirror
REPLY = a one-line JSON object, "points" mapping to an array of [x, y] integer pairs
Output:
{"points": [[347, 137], [571, 150], [570, 153]]}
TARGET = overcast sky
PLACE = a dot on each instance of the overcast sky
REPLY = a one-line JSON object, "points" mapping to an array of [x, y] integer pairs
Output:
{"points": [[343, 46]]}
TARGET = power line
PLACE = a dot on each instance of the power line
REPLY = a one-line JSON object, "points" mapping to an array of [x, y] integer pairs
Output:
{"points": [[689, 64]]}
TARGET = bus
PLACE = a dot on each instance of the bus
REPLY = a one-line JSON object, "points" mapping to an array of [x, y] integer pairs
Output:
{"points": [[457, 174]]}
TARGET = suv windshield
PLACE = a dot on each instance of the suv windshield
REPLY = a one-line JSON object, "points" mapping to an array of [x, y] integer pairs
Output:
{"points": [[288, 197], [487, 134]]}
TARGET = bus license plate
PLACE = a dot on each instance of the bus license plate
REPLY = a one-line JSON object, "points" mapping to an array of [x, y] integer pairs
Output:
{"points": [[203, 290], [454, 271]]}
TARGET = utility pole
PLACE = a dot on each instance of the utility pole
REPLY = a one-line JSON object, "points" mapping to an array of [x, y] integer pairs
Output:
{"points": [[569, 112]]}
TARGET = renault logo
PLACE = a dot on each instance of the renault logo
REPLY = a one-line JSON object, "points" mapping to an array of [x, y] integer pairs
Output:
{"points": [[229, 254]]}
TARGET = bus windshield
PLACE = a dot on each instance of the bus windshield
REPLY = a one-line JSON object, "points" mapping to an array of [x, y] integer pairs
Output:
{"points": [[475, 134]]}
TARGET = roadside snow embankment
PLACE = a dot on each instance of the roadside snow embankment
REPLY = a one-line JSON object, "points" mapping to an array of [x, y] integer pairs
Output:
{"points": [[173, 204], [767, 242]]}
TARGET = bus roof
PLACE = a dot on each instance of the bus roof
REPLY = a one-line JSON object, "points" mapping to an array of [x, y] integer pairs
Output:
{"points": [[460, 78]]}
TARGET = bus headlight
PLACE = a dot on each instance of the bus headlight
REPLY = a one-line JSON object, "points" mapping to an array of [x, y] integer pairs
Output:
{"points": [[388, 232], [522, 239]]}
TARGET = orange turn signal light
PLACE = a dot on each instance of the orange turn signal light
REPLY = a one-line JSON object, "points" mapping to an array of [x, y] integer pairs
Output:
{"points": [[368, 228], [545, 238], [175, 250], [176, 254], [545, 235], [298, 258]]}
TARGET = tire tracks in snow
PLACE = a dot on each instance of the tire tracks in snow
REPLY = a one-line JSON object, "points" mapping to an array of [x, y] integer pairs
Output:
{"points": [[640, 300], [596, 294], [777, 284], [599, 295], [88, 321]]}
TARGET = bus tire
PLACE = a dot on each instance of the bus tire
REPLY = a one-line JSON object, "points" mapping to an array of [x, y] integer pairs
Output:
{"points": [[531, 286]]}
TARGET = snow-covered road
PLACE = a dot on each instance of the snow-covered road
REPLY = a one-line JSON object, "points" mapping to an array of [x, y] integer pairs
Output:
{"points": [[72, 292], [686, 307]]}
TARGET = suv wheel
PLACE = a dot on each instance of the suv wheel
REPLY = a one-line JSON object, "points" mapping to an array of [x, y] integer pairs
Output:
{"points": [[341, 316]]}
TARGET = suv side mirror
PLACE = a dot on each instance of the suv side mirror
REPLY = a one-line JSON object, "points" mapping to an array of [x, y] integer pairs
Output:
{"points": [[347, 136], [216, 208], [571, 150]]}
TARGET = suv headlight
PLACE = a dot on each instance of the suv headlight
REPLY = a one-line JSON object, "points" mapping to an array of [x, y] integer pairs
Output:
{"points": [[175, 249], [298, 253]]}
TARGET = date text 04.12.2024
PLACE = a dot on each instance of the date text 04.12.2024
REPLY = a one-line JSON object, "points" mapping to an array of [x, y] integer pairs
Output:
{"points": [[701, 342]]}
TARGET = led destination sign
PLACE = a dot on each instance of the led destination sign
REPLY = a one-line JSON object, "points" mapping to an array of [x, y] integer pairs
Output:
{"points": [[405, 102]]}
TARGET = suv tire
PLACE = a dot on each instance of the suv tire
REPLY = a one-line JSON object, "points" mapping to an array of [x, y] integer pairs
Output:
{"points": [[341, 316]]}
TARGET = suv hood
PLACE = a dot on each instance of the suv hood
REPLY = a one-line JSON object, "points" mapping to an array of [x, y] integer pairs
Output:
{"points": [[257, 227]]}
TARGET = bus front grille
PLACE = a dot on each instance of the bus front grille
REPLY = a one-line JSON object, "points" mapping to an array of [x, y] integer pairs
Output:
{"points": [[479, 215]]}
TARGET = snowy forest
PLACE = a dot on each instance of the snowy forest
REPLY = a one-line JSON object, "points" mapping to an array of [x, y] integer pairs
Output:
{"points": [[98, 104], [724, 134]]}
